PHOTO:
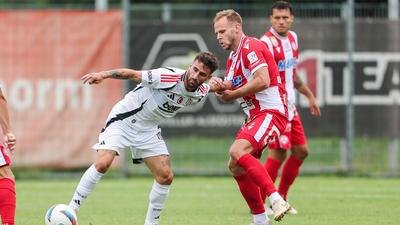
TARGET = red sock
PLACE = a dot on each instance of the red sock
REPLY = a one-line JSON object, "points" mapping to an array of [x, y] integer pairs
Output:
{"points": [[289, 174], [251, 193], [257, 173], [7, 201], [272, 166]]}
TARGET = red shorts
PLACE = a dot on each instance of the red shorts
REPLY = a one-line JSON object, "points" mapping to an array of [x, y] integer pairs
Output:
{"points": [[294, 135], [4, 159], [262, 129]]}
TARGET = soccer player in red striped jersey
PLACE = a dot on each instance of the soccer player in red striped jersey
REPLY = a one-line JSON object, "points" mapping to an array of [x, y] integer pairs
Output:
{"points": [[258, 89], [7, 180], [283, 45], [133, 123]]}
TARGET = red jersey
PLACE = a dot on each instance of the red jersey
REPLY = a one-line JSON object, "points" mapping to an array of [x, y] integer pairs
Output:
{"points": [[251, 55], [285, 52]]}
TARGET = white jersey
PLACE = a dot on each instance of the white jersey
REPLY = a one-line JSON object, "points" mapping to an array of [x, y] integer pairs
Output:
{"points": [[159, 96]]}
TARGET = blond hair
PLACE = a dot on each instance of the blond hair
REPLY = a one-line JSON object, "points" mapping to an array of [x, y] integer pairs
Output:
{"points": [[230, 14]]}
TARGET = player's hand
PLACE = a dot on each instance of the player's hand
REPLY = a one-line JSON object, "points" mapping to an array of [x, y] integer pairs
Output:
{"points": [[314, 109], [218, 85], [93, 78], [10, 141], [225, 96]]}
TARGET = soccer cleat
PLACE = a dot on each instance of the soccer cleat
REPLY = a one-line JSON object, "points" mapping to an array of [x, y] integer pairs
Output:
{"points": [[269, 211], [292, 211], [268, 223], [280, 207]]}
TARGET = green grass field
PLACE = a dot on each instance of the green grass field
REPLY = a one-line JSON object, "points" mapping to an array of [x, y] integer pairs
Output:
{"points": [[216, 201]]}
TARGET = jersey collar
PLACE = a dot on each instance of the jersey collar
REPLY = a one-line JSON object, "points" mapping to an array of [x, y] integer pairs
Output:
{"points": [[272, 30]]}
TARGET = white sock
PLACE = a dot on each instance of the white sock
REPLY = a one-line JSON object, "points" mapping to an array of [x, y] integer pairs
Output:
{"points": [[260, 218], [275, 197], [86, 185], [157, 197]]}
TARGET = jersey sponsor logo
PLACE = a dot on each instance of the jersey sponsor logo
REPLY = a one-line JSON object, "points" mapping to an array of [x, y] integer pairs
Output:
{"points": [[252, 57], [150, 77], [287, 64], [166, 107], [237, 81]]}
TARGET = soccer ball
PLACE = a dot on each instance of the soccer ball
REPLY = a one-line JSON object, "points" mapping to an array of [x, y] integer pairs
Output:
{"points": [[60, 214]]}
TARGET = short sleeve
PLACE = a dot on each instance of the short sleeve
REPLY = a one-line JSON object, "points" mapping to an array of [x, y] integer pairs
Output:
{"points": [[161, 78], [253, 57]]}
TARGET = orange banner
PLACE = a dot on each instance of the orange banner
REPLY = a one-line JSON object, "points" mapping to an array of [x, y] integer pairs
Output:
{"points": [[43, 54]]}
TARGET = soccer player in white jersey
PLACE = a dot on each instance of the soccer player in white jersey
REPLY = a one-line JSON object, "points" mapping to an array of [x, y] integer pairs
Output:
{"points": [[258, 89], [283, 45], [133, 123]]}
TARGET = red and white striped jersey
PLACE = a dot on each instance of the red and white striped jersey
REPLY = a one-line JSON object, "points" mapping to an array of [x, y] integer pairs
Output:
{"points": [[285, 52], [242, 64], [160, 95]]}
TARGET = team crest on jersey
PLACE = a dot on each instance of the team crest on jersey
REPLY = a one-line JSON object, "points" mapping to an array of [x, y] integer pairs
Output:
{"points": [[252, 57], [274, 41], [180, 100]]}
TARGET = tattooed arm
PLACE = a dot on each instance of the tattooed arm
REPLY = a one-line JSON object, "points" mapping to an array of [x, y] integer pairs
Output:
{"points": [[98, 77]]}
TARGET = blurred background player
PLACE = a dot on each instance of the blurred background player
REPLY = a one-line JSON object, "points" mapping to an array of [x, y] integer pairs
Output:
{"points": [[7, 180], [283, 45], [260, 93], [133, 123]]}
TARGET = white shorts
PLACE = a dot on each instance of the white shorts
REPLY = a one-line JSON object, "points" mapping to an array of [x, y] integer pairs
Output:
{"points": [[119, 136]]}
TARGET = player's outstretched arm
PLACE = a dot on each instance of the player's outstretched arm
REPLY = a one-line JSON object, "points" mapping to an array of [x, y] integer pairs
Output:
{"points": [[98, 77], [304, 90], [9, 138]]}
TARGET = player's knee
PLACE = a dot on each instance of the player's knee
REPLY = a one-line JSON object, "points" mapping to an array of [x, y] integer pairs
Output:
{"points": [[234, 168], [301, 152], [165, 178], [102, 166], [5, 172], [235, 153]]}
